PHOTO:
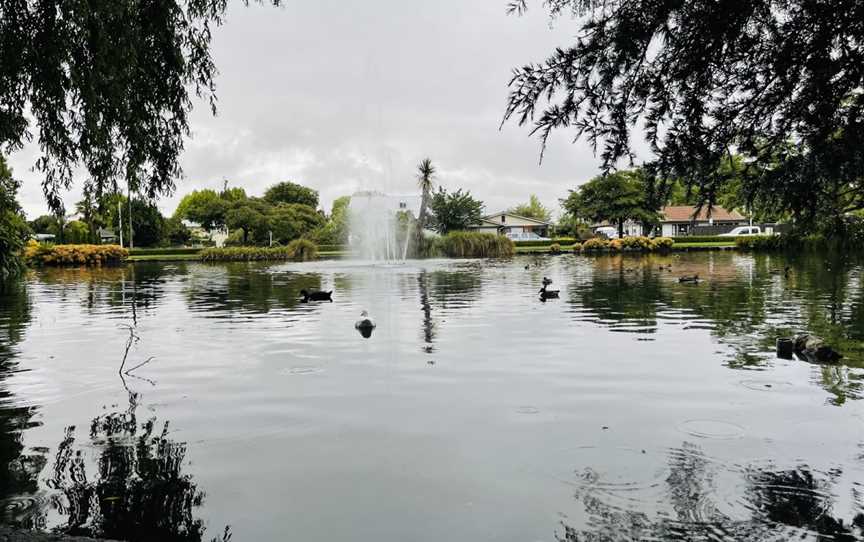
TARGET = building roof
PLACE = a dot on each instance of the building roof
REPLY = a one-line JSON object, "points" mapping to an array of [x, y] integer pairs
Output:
{"points": [[684, 213], [485, 223], [520, 217]]}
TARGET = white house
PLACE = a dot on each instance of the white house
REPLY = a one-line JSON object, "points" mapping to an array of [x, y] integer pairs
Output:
{"points": [[506, 223]]}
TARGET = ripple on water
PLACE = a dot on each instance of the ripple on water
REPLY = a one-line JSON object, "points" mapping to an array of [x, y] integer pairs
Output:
{"points": [[302, 371], [766, 384], [711, 429]]}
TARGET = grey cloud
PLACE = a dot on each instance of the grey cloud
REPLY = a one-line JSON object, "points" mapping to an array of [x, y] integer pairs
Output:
{"points": [[343, 95]]}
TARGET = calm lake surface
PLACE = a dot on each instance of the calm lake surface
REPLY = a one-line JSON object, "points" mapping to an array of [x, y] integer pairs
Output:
{"points": [[632, 408]]}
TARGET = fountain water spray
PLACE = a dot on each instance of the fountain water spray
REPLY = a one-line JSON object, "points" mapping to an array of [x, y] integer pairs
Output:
{"points": [[380, 226]]}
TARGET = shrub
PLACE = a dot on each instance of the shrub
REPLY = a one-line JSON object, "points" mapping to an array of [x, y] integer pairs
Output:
{"points": [[642, 244], [555, 248], [297, 250], [616, 245], [595, 244], [36, 254], [759, 242], [577, 247], [661, 244], [463, 244], [546, 243]]}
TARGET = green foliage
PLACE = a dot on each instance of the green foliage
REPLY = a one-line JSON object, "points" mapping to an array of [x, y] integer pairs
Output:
{"points": [[13, 227], [704, 239], [204, 207], [555, 248], [454, 211], [759, 242], [464, 244], [175, 233], [335, 231], [636, 243], [573, 226], [298, 250], [46, 224], [292, 221], [541, 243], [233, 195], [250, 221], [76, 233], [662, 244], [533, 209], [109, 86], [777, 81], [616, 198], [37, 255], [291, 193]]}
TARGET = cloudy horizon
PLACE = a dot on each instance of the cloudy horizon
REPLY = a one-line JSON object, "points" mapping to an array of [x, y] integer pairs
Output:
{"points": [[343, 97]]}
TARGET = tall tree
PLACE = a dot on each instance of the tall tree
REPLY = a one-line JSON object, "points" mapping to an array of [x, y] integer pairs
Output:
{"points": [[13, 227], [288, 192], [616, 198], [778, 81], [108, 86], [454, 211], [204, 207], [533, 209], [425, 182]]}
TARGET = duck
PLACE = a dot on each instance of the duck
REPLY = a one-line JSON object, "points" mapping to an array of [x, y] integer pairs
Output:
{"points": [[546, 281], [688, 278], [364, 325], [527, 266], [548, 294], [316, 296]]}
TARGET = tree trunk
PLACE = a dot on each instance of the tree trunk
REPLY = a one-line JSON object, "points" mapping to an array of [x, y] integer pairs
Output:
{"points": [[421, 223], [620, 229]]}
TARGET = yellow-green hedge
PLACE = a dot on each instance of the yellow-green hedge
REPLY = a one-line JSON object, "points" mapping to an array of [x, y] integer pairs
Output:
{"points": [[36, 254]]}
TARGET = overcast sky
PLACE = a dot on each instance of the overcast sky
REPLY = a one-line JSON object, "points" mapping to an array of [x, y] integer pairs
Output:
{"points": [[345, 96]]}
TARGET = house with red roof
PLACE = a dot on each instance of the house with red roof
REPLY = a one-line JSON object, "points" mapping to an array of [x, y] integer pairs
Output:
{"points": [[678, 220]]}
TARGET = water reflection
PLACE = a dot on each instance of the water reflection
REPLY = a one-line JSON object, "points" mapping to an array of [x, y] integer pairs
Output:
{"points": [[767, 503], [137, 490], [19, 467], [247, 288]]}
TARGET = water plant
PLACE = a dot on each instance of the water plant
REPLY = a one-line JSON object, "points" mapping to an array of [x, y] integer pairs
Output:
{"points": [[463, 244]]}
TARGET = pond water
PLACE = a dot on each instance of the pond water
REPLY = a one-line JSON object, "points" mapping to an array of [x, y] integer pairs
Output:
{"points": [[632, 408]]}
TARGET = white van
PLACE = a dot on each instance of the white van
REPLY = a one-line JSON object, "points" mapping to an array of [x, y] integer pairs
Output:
{"points": [[743, 230], [608, 232]]}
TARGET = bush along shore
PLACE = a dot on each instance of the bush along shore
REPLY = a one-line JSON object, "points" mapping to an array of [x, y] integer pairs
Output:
{"points": [[38, 255], [298, 250]]}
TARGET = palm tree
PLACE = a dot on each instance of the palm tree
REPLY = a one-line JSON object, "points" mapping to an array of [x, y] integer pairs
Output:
{"points": [[425, 174]]}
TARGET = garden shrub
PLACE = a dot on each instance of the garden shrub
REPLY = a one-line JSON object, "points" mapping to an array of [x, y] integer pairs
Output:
{"points": [[555, 248], [547, 243], [642, 244], [577, 247], [36, 254], [662, 244], [595, 244], [616, 245], [705, 239], [297, 250], [759, 242], [464, 244]]}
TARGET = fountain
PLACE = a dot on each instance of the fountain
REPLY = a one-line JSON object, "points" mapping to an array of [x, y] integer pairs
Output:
{"points": [[380, 225]]}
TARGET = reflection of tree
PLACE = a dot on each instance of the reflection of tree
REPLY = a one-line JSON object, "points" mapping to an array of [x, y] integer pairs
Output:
{"points": [[781, 503], [428, 323], [247, 287], [18, 470], [138, 490], [744, 301]]}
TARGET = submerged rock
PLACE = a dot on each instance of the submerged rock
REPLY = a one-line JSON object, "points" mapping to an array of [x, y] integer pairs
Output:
{"points": [[807, 347]]}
